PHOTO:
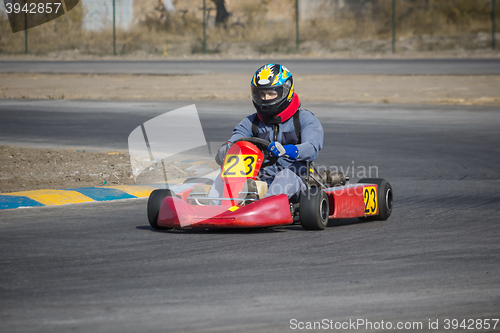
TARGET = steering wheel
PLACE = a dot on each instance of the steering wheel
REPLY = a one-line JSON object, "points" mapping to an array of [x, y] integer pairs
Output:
{"points": [[262, 145]]}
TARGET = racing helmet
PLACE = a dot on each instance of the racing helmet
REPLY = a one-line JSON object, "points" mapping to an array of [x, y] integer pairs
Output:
{"points": [[272, 89]]}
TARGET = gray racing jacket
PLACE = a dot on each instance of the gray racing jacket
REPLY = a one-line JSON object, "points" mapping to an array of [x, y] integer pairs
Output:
{"points": [[311, 134]]}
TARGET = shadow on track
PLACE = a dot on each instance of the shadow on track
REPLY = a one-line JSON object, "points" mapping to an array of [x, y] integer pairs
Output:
{"points": [[229, 231], [332, 223]]}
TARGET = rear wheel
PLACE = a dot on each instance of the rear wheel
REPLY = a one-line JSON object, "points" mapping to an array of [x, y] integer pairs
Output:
{"points": [[314, 209], [154, 203], [384, 197]]}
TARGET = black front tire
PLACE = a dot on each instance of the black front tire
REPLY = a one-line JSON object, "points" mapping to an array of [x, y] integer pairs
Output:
{"points": [[154, 203], [314, 209], [384, 197]]}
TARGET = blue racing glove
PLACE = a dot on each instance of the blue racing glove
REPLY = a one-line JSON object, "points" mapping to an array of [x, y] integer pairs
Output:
{"points": [[278, 150]]}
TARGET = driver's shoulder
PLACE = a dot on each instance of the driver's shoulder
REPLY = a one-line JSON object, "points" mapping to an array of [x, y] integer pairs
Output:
{"points": [[247, 121], [251, 118], [306, 113], [307, 117]]}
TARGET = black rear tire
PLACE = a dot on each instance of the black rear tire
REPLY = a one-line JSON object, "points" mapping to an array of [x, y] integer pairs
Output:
{"points": [[154, 203], [314, 209], [384, 197]]}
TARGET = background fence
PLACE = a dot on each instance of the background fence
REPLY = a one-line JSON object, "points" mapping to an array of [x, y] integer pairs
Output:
{"points": [[255, 27]]}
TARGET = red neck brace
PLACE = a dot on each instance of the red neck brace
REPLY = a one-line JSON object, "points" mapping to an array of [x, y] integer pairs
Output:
{"points": [[285, 114]]}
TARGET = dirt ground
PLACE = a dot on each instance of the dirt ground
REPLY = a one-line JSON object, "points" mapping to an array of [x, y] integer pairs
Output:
{"points": [[34, 168], [23, 168], [428, 89]]}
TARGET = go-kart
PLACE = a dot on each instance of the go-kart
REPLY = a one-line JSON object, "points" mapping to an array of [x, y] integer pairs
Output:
{"points": [[242, 204]]}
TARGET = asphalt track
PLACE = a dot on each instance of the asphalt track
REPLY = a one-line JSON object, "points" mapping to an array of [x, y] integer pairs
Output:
{"points": [[297, 66], [100, 267]]}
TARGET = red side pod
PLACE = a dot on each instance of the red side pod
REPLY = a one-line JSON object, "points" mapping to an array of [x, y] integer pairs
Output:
{"points": [[272, 211], [349, 201]]}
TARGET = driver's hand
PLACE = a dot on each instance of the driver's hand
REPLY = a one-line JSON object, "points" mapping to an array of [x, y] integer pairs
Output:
{"points": [[278, 150], [221, 153]]}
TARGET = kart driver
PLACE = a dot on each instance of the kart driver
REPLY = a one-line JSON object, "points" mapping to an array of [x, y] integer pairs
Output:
{"points": [[295, 134]]}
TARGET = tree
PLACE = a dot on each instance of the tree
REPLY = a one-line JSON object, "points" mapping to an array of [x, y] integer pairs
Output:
{"points": [[222, 14]]}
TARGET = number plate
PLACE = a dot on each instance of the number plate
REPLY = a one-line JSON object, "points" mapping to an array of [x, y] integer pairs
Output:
{"points": [[239, 166], [370, 199]]}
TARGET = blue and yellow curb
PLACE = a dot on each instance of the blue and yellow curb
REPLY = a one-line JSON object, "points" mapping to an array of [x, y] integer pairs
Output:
{"points": [[40, 198]]}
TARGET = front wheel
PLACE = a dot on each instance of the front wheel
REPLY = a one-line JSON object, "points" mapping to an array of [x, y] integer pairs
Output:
{"points": [[154, 203], [384, 197], [314, 209]]}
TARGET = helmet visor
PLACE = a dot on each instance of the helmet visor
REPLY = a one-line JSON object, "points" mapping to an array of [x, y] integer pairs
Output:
{"points": [[267, 96]]}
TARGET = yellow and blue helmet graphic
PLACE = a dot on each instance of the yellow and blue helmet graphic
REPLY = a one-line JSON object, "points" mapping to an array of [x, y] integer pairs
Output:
{"points": [[271, 75], [272, 89]]}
